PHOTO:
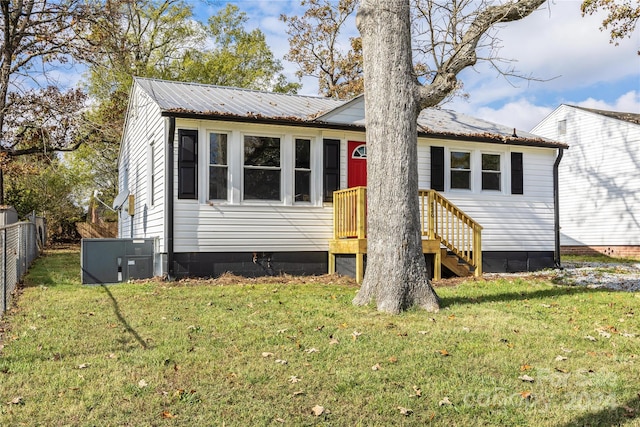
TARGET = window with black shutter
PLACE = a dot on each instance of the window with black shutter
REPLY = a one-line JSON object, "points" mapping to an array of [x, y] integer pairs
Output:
{"points": [[331, 168], [187, 164], [517, 175]]}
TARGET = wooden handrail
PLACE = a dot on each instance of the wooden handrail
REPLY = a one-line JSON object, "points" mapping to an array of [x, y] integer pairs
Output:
{"points": [[457, 231], [440, 220], [350, 213]]}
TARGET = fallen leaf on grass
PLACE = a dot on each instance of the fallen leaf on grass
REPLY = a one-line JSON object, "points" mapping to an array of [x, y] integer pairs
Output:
{"points": [[266, 354], [293, 379], [279, 420], [83, 366], [16, 401], [297, 393], [525, 368], [281, 361], [590, 338], [167, 415], [526, 378], [393, 359], [355, 335], [423, 332], [629, 412], [317, 410], [444, 352], [445, 402], [312, 350], [376, 367], [333, 341], [527, 395], [405, 411], [604, 334], [142, 383], [560, 358], [417, 392]]}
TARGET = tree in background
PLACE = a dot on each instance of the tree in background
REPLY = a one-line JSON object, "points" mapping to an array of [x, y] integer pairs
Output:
{"points": [[396, 276], [315, 45], [622, 16], [41, 126], [121, 39], [35, 36], [238, 57]]}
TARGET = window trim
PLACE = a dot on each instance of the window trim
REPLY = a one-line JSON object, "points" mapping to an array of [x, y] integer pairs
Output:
{"points": [[449, 169], [500, 172], [227, 165], [311, 171], [282, 141]]}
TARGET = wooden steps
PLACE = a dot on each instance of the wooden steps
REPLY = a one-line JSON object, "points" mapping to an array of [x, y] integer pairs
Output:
{"points": [[455, 264]]}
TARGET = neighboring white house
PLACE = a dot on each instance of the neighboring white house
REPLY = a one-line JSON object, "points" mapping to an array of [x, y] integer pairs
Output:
{"points": [[236, 180], [599, 179]]}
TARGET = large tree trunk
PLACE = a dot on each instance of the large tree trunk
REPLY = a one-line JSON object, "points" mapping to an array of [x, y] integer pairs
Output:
{"points": [[396, 276]]}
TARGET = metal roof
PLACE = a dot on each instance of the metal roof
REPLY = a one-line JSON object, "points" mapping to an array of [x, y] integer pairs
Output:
{"points": [[228, 101], [200, 100], [627, 117]]}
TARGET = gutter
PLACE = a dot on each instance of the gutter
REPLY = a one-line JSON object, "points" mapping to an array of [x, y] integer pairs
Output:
{"points": [[556, 208], [298, 122], [170, 196]]}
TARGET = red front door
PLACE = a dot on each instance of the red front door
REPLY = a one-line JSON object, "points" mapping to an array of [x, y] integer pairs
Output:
{"points": [[356, 164]]}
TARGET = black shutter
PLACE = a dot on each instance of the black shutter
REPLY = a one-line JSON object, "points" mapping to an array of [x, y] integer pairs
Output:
{"points": [[437, 168], [187, 164], [517, 175], [331, 168]]}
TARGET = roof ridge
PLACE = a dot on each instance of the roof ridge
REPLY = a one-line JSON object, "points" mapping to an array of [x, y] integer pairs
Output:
{"points": [[266, 92]]}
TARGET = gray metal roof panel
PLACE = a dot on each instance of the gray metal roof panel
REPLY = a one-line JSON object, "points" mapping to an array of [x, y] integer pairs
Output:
{"points": [[218, 100]]}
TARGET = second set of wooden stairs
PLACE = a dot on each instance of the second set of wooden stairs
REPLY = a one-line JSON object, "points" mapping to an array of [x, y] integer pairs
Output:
{"points": [[451, 236]]}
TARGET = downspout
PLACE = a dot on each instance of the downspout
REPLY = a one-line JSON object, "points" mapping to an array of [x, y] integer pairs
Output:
{"points": [[169, 186], [556, 208]]}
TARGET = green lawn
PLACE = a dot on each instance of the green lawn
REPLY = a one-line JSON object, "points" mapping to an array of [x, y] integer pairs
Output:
{"points": [[197, 353]]}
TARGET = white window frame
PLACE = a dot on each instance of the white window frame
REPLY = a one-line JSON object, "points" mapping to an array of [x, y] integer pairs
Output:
{"points": [[283, 147], [311, 170], [448, 170], [207, 156], [500, 171]]}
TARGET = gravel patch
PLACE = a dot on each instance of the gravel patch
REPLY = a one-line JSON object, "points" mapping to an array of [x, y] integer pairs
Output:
{"points": [[615, 276]]}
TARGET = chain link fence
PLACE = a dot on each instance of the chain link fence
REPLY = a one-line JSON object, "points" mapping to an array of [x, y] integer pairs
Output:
{"points": [[20, 244]]}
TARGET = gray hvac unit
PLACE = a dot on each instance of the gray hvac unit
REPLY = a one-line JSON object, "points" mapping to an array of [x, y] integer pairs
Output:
{"points": [[116, 260]]}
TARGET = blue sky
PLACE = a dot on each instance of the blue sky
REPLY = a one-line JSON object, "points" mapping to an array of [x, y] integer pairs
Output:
{"points": [[556, 44]]}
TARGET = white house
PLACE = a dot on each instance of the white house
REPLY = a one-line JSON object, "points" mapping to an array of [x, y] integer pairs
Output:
{"points": [[599, 179], [230, 179]]}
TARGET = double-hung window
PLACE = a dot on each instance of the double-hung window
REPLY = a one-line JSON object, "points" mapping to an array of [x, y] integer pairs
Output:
{"points": [[262, 171], [302, 178], [491, 174], [461, 170], [218, 166]]}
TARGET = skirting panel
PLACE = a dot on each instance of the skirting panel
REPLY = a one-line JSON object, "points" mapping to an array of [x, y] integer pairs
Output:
{"points": [[513, 262], [212, 264]]}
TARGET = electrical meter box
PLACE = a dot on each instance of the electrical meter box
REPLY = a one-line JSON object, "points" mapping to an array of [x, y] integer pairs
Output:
{"points": [[116, 260]]}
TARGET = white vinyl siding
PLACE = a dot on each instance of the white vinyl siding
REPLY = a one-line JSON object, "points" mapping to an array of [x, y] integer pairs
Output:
{"points": [[599, 177], [510, 223], [142, 148]]}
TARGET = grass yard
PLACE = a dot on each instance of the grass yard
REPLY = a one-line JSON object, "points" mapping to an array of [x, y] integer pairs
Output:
{"points": [[197, 353]]}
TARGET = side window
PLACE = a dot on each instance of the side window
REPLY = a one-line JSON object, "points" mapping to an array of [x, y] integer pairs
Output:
{"points": [[262, 171], [460, 170], [218, 169], [491, 172], [302, 186], [152, 174]]}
